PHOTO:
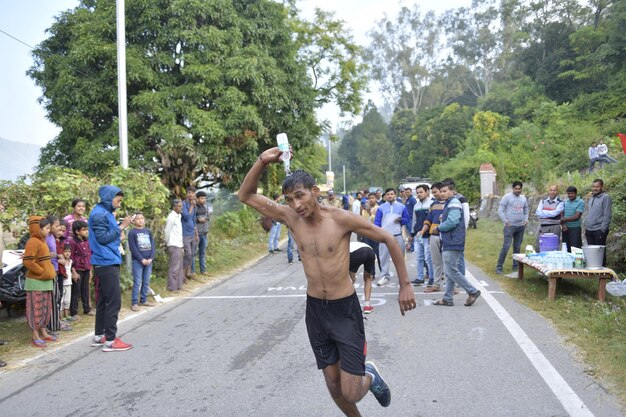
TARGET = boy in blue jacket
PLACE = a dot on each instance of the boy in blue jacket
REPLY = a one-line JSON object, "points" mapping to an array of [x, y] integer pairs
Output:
{"points": [[142, 248], [106, 259]]}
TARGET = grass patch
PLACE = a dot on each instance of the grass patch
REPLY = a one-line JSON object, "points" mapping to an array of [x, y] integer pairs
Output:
{"points": [[224, 256], [597, 329]]}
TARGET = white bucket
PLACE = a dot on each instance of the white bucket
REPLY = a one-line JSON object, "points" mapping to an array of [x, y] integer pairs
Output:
{"points": [[594, 255]]}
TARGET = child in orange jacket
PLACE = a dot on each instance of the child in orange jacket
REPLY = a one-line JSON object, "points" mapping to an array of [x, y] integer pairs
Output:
{"points": [[40, 277]]}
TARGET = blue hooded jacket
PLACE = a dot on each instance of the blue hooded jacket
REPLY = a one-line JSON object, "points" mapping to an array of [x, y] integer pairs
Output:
{"points": [[104, 232]]}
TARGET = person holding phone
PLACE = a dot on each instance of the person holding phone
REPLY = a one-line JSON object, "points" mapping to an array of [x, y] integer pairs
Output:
{"points": [[104, 240]]}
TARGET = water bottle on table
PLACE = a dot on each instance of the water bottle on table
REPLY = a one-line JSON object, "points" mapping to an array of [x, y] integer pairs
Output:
{"points": [[283, 145]]}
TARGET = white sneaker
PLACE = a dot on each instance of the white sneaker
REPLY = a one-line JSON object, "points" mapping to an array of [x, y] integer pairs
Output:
{"points": [[382, 281], [98, 341]]}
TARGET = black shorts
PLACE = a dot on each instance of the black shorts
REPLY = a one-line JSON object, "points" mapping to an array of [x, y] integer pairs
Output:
{"points": [[365, 257], [336, 332]]}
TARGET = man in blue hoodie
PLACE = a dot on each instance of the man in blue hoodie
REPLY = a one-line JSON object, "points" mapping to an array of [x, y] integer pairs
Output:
{"points": [[104, 240], [452, 231]]}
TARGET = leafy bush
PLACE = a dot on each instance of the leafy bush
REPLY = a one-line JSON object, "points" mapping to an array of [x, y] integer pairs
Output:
{"points": [[51, 191], [230, 225]]}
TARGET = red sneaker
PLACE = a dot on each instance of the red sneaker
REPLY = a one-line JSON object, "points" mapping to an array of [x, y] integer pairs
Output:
{"points": [[368, 309], [116, 345]]}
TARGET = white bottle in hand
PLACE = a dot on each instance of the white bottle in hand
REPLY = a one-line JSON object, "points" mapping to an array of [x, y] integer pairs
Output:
{"points": [[283, 145]]}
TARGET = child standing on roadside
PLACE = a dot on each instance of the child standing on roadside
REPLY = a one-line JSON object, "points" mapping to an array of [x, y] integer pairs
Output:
{"points": [[142, 248], [40, 277], [65, 271], [81, 269], [51, 240], [62, 273]]}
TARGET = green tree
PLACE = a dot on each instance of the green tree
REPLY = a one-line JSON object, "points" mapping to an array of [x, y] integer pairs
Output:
{"points": [[403, 56], [476, 43], [334, 61], [210, 84], [368, 151]]}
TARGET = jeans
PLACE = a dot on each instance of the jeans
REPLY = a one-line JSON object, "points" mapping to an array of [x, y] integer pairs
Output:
{"points": [[141, 279], [109, 300], [422, 251], [290, 244], [602, 159], [272, 243], [453, 275], [515, 235], [203, 241]]}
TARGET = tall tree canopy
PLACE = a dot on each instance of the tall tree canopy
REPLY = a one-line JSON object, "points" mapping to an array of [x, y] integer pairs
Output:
{"points": [[209, 84], [403, 56]]}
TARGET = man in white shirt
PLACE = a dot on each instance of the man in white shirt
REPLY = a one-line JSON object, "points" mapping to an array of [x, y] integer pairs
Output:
{"points": [[173, 234], [603, 152], [356, 204]]}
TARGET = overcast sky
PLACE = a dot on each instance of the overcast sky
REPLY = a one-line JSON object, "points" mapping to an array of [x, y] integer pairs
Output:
{"points": [[22, 118]]}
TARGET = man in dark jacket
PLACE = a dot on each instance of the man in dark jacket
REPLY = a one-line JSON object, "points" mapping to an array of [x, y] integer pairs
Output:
{"points": [[104, 240], [452, 231]]}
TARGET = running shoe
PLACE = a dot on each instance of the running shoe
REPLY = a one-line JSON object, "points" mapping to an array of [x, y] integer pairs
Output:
{"points": [[417, 282], [368, 309], [379, 387], [382, 281], [116, 346], [98, 341]]}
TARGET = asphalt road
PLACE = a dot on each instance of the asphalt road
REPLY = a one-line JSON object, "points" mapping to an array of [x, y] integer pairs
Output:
{"points": [[239, 348]]}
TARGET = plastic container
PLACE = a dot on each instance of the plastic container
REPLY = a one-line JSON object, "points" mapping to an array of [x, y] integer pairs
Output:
{"points": [[529, 250], [594, 256], [548, 242], [283, 145]]}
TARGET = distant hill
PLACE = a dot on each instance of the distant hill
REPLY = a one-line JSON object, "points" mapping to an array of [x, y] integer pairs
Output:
{"points": [[17, 159]]}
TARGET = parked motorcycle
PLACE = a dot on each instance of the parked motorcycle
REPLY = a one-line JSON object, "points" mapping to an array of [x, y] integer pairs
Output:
{"points": [[473, 218], [12, 279]]}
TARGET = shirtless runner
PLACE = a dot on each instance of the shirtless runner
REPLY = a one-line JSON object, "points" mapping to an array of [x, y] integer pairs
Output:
{"points": [[333, 314]]}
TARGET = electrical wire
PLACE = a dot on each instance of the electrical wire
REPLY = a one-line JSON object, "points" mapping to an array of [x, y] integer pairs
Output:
{"points": [[14, 38]]}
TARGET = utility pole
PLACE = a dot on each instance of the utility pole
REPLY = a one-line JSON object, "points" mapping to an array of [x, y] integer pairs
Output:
{"points": [[121, 82]]}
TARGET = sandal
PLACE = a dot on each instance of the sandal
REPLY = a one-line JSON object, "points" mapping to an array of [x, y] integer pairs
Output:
{"points": [[432, 289], [443, 302], [50, 338], [38, 343], [472, 298]]}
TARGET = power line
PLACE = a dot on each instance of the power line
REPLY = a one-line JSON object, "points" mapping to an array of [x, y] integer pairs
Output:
{"points": [[13, 37]]}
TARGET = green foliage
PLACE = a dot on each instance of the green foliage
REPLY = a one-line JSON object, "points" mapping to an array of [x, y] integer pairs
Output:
{"points": [[368, 151], [51, 191], [464, 171], [334, 60], [231, 224], [210, 84]]}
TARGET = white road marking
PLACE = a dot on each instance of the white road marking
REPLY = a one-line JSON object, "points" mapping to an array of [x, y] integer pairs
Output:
{"points": [[374, 294], [561, 389], [484, 284]]}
